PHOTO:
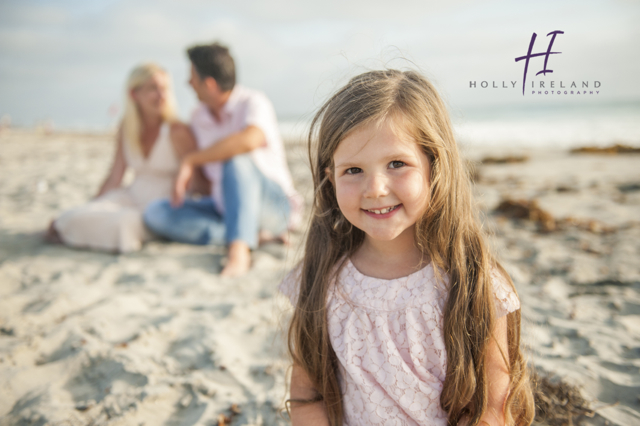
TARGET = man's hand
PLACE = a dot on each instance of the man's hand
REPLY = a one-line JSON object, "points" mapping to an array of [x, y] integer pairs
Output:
{"points": [[182, 182]]}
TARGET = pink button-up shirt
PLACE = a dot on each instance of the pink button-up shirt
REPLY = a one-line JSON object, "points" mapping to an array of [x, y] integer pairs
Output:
{"points": [[246, 107]]}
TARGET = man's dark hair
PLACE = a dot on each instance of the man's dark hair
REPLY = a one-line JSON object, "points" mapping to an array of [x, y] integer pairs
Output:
{"points": [[214, 60]]}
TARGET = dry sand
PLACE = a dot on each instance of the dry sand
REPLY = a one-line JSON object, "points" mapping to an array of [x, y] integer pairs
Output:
{"points": [[158, 338]]}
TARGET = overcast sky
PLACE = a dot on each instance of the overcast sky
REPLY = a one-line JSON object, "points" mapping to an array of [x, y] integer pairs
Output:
{"points": [[68, 60]]}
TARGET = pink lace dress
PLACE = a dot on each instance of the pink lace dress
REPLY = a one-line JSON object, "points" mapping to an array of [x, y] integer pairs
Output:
{"points": [[387, 335]]}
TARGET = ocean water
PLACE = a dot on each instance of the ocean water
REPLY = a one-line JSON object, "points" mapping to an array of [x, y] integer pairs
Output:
{"points": [[535, 126]]}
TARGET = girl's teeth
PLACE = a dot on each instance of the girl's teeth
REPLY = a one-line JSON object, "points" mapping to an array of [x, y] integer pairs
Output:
{"points": [[383, 211]]}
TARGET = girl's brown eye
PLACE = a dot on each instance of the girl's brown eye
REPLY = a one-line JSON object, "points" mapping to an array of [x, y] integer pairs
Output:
{"points": [[396, 164], [353, 170]]}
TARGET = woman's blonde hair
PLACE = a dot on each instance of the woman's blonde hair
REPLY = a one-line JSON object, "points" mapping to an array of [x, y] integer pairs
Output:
{"points": [[449, 233], [131, 123]]}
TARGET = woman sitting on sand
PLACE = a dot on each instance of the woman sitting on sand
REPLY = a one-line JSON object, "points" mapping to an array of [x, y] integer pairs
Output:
{"points": [[152, 142]]}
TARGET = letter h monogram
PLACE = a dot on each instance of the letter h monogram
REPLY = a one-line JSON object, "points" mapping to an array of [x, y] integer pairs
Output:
{"points": [[530, 55]]}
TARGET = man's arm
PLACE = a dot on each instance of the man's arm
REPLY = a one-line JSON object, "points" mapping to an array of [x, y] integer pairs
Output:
{"points": [[235, 144], [184, 143]]}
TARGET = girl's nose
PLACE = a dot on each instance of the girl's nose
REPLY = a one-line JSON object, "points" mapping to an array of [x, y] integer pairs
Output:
{"points": [[376, 186]]}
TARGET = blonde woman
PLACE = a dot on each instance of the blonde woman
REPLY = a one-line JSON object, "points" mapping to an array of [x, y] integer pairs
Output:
{"points": [[150, 141]]}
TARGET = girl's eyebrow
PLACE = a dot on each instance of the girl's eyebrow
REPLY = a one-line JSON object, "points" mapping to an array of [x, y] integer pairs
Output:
{"points": [[391, 157], [346, 164]]}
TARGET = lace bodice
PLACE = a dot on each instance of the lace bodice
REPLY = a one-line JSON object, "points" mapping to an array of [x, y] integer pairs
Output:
{"points": [[387, 335]]}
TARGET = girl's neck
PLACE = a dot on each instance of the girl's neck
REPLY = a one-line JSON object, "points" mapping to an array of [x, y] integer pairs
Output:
{"points": [[389, 259]]}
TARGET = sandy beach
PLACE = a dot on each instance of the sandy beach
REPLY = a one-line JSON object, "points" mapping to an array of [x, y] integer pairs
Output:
{"points": [[158, 338]]}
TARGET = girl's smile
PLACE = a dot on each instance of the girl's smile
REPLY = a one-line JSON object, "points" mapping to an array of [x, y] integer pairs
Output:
{"points": [[381, 177], [382, 213]]}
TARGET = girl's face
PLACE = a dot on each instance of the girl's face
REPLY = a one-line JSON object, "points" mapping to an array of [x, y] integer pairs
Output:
{"points": [[151, 96], [382, 181]]}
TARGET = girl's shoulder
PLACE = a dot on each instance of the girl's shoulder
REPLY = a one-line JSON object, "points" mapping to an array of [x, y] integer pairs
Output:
{"points": [[290, 285], [506, 298]]}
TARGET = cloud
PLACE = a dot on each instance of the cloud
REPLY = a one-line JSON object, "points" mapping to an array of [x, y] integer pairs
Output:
{"points": [[68, 60]]}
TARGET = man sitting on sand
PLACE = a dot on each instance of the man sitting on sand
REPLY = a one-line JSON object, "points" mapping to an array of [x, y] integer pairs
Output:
{"points": [[241, 152]]}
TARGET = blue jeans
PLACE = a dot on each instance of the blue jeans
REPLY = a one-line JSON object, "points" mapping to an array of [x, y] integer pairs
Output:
{"points": [[252, 203]]}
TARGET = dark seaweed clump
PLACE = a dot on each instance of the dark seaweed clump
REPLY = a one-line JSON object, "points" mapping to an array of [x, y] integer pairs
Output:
{"points": [[559, 403]]}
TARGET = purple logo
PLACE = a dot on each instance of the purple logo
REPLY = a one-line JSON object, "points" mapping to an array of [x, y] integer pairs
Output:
{"points": [[546, 54]]}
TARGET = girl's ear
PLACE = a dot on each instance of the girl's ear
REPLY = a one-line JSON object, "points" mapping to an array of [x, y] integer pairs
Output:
{"points": [[329, 174]]}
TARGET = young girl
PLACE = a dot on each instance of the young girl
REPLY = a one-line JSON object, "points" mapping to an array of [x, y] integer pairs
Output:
{"points": [[402, 315]]}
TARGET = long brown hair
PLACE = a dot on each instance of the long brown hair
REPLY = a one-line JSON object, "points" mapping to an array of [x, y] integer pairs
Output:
{"points": [[449, 233]]}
